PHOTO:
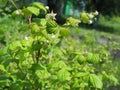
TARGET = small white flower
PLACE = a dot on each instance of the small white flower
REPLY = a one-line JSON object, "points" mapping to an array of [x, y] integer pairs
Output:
{"points": [[91, 15], [51, 15], [96, 12], [90, 22], [26, 38], [47, 41], [47, 7], [53, 36], [17, 12]]}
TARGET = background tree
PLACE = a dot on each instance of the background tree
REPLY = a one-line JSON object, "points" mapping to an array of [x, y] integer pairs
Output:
{"points": [[108, 7]]}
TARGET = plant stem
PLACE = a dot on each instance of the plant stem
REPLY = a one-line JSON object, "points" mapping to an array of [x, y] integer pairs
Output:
{"points": [[38, 52], [30, 19], [13, 4], [37, 56]]}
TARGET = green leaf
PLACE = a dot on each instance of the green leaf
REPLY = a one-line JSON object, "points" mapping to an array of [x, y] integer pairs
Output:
{"points": [[34, 28], [51, 27], [76, 83], [51, 24], [4, 83], [52, 30], [114, 79], [3, 51], [40, 6], [84, 17], [36, 67], [95, 81], [3, 3], [4, 79], [92, 58], [2, 68], [17, 13], [1, 10], [81, 59], [7, 62], [58, 65], [64, 32], [42, 74], [1, 32], [14, 45], [72, 22], [83, 84], [81, 74], [63, 75], [26, 12], [42, 22], [33, 10], [18, 85], [37, 46], [24, 28]]}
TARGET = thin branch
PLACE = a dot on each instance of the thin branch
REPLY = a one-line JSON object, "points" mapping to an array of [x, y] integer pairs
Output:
{"points": [[13, 4]]}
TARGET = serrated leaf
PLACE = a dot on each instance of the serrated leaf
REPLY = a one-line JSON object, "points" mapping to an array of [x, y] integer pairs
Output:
{"points": [[42, 74], [34, 28], [95, 81], [63, 75], [14, 45], [58, 64], [114, 79], [40, 21], [37, 67], [80, 74], [43, 22], [33, 10], [64, 32], [51, 24], [40, 6], [26, 12], [51, 27]]}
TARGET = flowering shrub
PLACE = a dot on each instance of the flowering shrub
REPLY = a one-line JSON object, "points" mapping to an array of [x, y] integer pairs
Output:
{"points": [[40, 61]]}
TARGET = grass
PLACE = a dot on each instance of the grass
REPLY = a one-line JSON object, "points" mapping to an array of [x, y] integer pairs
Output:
{"points": [[111, 24]]}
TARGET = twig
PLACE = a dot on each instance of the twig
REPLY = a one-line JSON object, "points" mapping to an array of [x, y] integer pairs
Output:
{"points": [[13, 4]]}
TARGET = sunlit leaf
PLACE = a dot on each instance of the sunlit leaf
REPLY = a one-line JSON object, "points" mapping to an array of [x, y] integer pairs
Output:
{"points": [[96, 81], [63, 75], [114, 79], [34, 10], [40, 6], [64, 32], [81, 74]]}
